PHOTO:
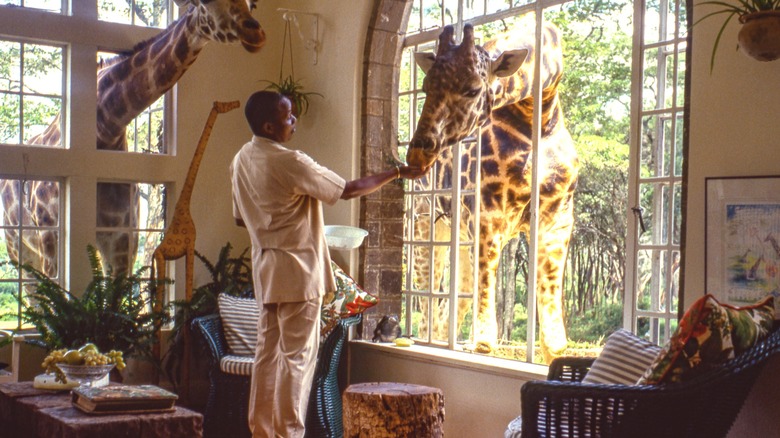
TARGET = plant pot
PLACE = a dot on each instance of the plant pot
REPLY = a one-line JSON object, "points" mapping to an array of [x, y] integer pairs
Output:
{"points": [[759, 37]]}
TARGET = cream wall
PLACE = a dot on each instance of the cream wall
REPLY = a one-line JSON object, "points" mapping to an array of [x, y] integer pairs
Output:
{"points": [[329, 132], [734, 129]]}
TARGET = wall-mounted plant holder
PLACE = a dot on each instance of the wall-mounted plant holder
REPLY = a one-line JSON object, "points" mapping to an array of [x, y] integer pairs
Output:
{"points": [[306, 23]]}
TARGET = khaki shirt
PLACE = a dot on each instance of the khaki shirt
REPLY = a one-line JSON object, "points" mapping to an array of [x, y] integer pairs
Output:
{"points": [[277, 193]]}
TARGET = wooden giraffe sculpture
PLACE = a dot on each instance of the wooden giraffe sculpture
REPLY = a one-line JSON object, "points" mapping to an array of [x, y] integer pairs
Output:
{"points": [[469, 87], [126, 85], [179, 239]]}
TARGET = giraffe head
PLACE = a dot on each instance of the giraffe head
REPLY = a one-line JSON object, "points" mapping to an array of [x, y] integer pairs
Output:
{"points": [[458, 92], [228, 21]]}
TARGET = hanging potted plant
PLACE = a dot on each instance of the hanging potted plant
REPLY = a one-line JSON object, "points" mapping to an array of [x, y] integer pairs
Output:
{"points": [[287, 85], [759, 36], [293, 90]]}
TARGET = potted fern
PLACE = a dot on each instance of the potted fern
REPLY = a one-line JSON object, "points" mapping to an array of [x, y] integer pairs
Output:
{"points": [[759, 36], [113, 313]]}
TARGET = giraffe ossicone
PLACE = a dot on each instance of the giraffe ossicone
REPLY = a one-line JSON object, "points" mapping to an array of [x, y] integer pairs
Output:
{"points": [[487, 88]]}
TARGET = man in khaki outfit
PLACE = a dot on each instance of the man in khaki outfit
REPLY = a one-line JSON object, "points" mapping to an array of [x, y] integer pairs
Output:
{"points": [[277, 196]]}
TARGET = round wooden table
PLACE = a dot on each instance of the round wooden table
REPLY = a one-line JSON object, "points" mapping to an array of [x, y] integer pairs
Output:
{"points": [[388, 409]]}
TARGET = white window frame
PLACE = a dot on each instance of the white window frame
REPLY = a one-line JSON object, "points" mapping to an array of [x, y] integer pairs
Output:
{"points": [[631, 312], [78, 164]]}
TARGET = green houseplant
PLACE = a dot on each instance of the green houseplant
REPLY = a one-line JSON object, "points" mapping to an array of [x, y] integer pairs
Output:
{"points": [[293, 90], [756, 16], [113, 313], [230, 275]]}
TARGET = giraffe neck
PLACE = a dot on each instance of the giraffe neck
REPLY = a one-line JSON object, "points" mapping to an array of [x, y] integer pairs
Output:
{"points": [[130, 84]]}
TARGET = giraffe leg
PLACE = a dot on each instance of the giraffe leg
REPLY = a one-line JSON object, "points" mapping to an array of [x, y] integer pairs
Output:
{"points": [[486, 327], [553, 249]]}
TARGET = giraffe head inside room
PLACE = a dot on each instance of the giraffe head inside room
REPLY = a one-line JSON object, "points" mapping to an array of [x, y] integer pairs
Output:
{"points": [[487, 88], [126, 86]]}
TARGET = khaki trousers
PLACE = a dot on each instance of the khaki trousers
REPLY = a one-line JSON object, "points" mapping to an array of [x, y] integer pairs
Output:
{"points": [[285, 358]]}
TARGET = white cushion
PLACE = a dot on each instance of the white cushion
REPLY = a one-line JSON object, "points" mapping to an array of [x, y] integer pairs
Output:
{"points": [[239, 323], [240, 365], [623, 360]]}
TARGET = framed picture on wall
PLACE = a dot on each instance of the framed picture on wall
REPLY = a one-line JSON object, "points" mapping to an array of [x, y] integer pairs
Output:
{"points": [[742, 243]]}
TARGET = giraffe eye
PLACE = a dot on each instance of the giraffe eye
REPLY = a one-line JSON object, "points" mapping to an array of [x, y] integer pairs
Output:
{"points": [[474, 92]]}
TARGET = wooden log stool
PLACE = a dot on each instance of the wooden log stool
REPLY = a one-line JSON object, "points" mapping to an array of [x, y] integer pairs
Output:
{"points": [[391, 410]]}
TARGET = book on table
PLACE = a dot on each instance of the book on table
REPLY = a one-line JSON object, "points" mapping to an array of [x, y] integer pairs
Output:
{"points": [[122, 399]]}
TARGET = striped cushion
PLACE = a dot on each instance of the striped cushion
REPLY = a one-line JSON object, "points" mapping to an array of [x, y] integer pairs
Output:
{"points": [[239, 323], [240, 365], [623, 360]]}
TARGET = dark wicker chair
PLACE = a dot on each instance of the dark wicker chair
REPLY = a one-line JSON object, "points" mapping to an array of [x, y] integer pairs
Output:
{"points": [[228, 400], [702, 407]]}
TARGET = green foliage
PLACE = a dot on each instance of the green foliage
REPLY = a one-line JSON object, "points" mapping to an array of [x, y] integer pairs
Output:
{"points": [[114, 313], [230, 275], [40, 64], [596, 86], [595, 322], [293, 90]]}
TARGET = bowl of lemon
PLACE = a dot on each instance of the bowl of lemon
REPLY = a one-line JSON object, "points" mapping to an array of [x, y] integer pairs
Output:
{"points": [[83, 366]]}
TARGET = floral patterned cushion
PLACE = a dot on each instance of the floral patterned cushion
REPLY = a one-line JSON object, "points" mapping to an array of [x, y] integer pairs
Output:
{"points": [[348, 299], [709, 334]]}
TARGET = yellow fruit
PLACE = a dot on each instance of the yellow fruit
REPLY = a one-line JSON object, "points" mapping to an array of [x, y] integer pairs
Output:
{"points": [[74, 357], [403, 342], [88, 347]]}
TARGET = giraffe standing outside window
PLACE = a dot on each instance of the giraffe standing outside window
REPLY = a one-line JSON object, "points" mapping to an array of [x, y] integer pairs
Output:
{"points": [[488, 87]]}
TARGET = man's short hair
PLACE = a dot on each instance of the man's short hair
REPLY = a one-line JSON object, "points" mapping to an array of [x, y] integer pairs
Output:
{"points": [[261, 107]]}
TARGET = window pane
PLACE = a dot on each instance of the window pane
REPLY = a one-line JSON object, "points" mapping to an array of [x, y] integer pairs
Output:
{"points": [[31, 94], [680, 77], [497, 5], [30, 233], [145, 134], [54, 6], [653, 154], [414, 18], [650, 280], [10, 129], [659, 21], [655, 204], [31, 222], [149, 13], [432, 14], [404, 119], [657, 330], [130, 220]]}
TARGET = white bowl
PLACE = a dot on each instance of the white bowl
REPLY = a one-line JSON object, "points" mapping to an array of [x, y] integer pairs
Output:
{"points": [[344, 237]]}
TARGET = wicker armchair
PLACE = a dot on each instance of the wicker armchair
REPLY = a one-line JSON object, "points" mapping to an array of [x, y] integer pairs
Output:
{"points": [[228, 400], [702, 407]]}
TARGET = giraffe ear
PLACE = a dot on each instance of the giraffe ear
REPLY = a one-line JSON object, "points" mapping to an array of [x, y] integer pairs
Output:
{"points": [[508, 62], [181, 3], [425, 60]]}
